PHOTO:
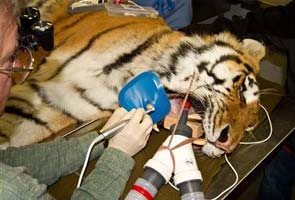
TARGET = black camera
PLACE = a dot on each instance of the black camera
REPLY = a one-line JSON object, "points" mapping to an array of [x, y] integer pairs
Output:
{"points": [[35, 32]]}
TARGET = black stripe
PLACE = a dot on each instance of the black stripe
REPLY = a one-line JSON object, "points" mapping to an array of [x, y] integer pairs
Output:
{"points": [[88, 46], [181, 51], [41, 93], [44, 60], [128, 57], [236, 78], [165, 74], [4, 136], [225, 44], [187, 78], [248, 67], [225, 58], [12, 98], [38, 89], [214, 119], [29, 116], [202, 66], [243, 87], [202, 49], [21, 104], [81, 91], [251, 82], [217, 81], [74, 22]]}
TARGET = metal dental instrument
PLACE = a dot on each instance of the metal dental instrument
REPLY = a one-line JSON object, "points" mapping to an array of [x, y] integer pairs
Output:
{"points": [[105, 132], [113, 129]]}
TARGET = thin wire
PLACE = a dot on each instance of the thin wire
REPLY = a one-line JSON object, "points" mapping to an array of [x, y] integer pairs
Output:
{"points": [[98, 139], [173, 186], [181, 110], [270, 127], [236, 181]]}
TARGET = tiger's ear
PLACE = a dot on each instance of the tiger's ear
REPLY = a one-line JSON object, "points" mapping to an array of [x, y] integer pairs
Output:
{"points": [[254, 48]]}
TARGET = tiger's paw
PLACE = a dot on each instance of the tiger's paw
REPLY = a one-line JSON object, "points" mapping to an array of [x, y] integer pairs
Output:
{"points": [[212, 151]]}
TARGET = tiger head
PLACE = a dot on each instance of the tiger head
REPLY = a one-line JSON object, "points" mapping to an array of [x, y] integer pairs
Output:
{"points": [[226, 84]]}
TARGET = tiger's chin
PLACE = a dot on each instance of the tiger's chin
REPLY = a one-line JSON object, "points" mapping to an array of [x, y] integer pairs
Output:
{"points": [[212, 151], [217, 148]]}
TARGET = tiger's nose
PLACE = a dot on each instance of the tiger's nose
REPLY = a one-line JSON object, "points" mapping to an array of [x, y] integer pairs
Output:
{"points": [[224, 135]]}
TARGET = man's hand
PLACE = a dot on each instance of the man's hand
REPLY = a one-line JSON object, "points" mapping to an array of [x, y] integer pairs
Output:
{"points": [[134, 136]]}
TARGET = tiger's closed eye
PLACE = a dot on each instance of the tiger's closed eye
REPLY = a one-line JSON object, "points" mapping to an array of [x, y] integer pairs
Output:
{"points": [[237, 78], [241, 95]]}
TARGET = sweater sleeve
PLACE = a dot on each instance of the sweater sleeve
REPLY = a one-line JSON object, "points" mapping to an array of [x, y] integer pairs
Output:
{"points": [[108, 178], [47, 162]]}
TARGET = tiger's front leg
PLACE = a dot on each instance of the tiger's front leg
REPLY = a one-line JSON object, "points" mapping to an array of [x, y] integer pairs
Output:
{"points": [[212, 151]]}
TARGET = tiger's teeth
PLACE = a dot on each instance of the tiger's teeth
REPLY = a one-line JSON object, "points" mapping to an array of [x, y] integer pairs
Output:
{"points": [[194, 116], [155, 128]]}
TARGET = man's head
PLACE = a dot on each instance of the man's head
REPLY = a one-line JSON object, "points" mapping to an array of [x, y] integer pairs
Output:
{"points": [[9, 11]]}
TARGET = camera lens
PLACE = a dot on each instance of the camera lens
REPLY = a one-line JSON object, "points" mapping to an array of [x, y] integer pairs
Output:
{"points": [[29, 16], [43, 30], [42, 26]]}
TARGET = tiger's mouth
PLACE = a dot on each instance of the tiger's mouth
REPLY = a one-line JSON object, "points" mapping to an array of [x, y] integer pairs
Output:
{"points": [[197, 107], [195, 120], [195, 114]]}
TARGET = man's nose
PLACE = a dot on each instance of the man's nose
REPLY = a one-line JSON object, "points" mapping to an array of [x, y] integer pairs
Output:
{"points": [[17, 63]]}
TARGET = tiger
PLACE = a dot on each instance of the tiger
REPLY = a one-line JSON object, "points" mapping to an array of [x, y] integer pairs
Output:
{"points": [[96, 54]]}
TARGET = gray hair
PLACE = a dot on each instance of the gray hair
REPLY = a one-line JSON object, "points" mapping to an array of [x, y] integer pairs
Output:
{"points": [[11, 8], [9, 12]]}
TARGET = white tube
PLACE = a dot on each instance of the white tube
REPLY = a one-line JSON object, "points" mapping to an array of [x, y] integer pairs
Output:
{"points": [[185, 162], [162, 162]]}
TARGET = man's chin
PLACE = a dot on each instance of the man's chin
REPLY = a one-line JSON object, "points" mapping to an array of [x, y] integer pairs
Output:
{"points": [[5, 86], [1, 110]]}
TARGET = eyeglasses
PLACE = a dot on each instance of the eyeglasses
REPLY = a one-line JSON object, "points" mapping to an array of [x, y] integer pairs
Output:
{"points": [[21, 65]]}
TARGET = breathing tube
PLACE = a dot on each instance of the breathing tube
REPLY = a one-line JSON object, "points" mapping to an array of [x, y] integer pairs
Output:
{"points": [[178, 159]]}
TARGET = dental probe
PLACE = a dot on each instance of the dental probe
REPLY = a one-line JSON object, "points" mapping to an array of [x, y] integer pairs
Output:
{"points": [[109, 132], [149, 107]]}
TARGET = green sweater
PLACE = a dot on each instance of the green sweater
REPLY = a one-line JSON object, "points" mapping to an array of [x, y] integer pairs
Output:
{"points": [[26, 171]]}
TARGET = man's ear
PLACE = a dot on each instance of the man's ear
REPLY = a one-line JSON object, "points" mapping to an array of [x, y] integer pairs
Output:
{"points": [[254, 49]]}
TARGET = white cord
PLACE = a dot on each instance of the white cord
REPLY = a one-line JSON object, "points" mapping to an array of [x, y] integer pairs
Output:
{"points": [[173, 186], [236, 181], [98, 139], [270, 129]]}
